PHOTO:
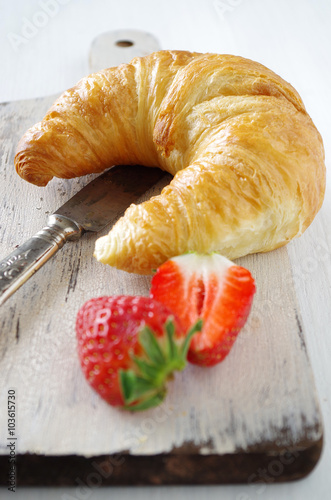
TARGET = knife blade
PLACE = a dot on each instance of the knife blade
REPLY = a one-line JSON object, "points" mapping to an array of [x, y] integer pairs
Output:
{"points": [[103, 199], [94, 207]]}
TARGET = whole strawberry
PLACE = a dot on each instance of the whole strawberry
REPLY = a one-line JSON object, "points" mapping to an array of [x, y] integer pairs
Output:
{"points": [[209, 287], [129, 347]]}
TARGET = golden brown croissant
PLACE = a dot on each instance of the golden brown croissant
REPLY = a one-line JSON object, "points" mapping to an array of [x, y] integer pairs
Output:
{"points": [[247, 160]]}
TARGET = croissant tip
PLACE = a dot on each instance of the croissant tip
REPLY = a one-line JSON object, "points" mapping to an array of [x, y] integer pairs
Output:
{"points": [[31, 175], [28, 162], [101, 249]]}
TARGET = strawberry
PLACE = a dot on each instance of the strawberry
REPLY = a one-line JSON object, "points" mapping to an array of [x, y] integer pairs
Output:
{"points": [[129, 347], [209, 287]]}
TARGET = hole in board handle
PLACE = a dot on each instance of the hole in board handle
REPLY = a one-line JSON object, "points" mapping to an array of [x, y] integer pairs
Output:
{"points": [[124, 43]]}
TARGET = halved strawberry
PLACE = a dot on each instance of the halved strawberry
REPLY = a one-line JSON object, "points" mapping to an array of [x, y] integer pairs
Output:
{"points": [[209, 287], [129, 347]]}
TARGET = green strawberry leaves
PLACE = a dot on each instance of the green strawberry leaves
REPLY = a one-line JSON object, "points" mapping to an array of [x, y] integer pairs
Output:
{"points": [[151, 346], [145, 386]]}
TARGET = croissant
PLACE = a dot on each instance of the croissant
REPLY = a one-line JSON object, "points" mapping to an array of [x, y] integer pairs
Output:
{"points": [[247, 160]]}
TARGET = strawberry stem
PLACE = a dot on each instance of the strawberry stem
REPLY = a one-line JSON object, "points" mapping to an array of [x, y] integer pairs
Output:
{"points": [[145, 386]]}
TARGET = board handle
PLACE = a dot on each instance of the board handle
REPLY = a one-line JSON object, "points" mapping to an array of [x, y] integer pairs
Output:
{"points": [[121, 46]]}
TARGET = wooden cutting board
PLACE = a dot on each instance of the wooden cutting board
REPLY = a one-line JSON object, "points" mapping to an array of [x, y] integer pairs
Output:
{"points": [[253, 418]]}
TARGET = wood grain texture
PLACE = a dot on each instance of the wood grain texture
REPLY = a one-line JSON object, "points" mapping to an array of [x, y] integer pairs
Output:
{"points": [[260, 401]]}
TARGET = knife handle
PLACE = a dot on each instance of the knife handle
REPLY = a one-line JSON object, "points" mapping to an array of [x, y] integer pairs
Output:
{"points": [[23, 262]]}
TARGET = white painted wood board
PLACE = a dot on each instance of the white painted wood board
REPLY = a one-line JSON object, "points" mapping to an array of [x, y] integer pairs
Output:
{"points": [[260, 399]]}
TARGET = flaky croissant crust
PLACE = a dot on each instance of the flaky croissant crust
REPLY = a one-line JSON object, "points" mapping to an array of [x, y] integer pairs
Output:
{"points": [[247, 160]]}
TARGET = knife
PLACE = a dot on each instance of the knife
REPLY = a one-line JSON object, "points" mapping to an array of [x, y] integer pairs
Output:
{"points": [[100, 202], [94, 207]]}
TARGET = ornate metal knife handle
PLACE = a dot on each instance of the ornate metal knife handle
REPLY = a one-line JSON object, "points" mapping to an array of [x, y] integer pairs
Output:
{"points": [[23, 262]]}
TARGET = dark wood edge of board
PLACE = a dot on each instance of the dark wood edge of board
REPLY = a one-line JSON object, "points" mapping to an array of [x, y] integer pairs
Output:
{"points": [[123, 469]]}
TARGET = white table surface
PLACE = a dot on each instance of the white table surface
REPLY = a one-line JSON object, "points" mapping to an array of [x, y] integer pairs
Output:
{"points": [[293, 38]]}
